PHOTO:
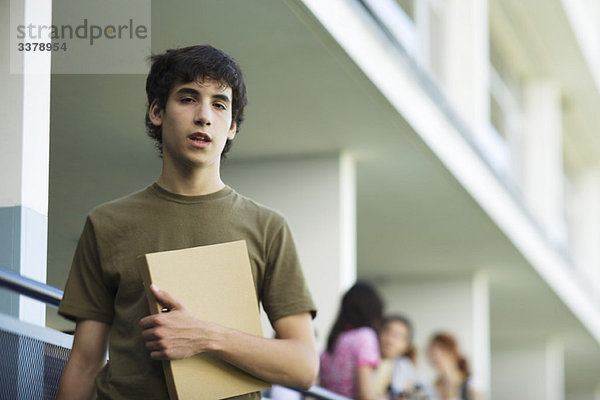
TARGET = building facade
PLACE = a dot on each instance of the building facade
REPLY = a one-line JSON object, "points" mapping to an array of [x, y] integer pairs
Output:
{"points": [[445, 150]]}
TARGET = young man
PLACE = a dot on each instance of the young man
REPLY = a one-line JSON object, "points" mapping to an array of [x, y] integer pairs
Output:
{"points": [[196, 99]]}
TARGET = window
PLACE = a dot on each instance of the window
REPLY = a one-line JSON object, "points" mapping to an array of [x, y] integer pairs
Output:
{"points": [[505, 96]]}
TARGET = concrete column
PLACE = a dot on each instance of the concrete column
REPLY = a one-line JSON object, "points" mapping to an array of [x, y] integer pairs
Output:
{"points": [[542, 155], [317, 196], [481, 361], [528, 371], [465, 61], [24, 140], [457, 305], [585, 223]]}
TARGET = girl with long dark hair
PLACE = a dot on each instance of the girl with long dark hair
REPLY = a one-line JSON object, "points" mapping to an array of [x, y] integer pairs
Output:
{"points": [[352, 347]]}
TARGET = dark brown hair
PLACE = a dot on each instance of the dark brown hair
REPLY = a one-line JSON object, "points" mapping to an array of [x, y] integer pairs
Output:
{"points": [[361, 307]]}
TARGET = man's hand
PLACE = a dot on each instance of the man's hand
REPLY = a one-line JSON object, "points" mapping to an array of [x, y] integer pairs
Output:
{"points": [[290, 360], [175, 334]]}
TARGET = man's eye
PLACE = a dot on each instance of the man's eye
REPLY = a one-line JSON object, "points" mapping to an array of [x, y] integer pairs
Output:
{"points": [[220, 106], [187, 100]]}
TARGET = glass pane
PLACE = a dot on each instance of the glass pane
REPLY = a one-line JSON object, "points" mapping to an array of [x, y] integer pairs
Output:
{"points": [[507, 75]]}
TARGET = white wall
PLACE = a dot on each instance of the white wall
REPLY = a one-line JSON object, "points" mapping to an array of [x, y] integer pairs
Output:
{"points": [[317, 196], [528, 371], [466, 61], [585, 223]]}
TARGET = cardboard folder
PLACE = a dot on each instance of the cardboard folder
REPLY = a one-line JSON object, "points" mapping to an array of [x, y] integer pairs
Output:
{"points": [[215, 283]]}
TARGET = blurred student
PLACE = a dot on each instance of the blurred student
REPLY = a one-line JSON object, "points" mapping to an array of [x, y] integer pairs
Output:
{"points": [[396, 377], [454, 378], [352, 347]]}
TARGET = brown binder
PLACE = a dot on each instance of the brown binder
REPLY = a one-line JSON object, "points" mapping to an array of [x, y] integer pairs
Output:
{"points": [[215, 282]]}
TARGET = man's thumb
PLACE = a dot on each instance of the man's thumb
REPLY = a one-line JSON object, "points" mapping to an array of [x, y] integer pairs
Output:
{"points": [[165, 299]]}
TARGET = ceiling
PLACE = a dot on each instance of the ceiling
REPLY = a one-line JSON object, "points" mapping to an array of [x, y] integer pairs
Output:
{"points": [[305, 97]]}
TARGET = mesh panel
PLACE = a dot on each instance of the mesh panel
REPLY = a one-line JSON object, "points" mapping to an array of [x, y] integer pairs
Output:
{"points": [[9, 343], [29, 368]]}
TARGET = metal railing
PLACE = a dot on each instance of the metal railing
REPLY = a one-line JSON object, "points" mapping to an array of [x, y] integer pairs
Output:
{"points": [[30, 288], [52, 296], [321, 394]]}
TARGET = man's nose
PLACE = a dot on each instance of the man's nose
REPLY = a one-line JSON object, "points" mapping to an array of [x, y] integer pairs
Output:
{"points": [[203, 115]]}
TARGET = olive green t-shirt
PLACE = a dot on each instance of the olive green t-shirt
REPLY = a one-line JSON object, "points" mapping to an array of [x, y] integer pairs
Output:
{"points": [[104, 283]]}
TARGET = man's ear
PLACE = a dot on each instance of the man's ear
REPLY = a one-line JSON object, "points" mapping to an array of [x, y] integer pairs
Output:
{"points": [[155, 113], [232, 131]]}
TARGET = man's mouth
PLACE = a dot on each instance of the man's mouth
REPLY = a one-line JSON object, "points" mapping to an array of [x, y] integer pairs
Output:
{"points": [[199, 138]]}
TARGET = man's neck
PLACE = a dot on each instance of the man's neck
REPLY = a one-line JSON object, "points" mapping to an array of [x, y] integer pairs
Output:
{"points": [[190, 182]]}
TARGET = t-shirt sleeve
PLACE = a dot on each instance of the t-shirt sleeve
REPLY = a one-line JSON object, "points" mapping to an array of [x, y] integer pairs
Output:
{"points": [[284, 290], [367, 348], [86, 294]]}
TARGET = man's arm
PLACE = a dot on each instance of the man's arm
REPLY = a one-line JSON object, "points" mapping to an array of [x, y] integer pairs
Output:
{"points": [[87, 357], [289, 360]]}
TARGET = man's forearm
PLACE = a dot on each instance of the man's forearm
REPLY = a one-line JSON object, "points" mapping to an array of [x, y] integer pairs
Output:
{"points": [[77, 382], [289, 362], [87, 358]]}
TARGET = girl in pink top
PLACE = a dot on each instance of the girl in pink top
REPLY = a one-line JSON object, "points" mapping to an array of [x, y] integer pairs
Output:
{"points": [[352, 347]]}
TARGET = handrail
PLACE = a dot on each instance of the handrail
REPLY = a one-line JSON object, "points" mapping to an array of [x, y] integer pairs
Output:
{"points": [[30, 288], [319, 393], [51, 295]]}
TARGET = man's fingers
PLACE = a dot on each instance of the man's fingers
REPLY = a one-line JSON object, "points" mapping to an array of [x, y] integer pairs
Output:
{"points": [[165, 299], [154, 345], [145, 323], [148, 322], [158, 355], [148, 332]]}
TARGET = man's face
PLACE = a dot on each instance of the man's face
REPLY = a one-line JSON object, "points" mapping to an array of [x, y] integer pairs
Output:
{"points": [[196, 123]]}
